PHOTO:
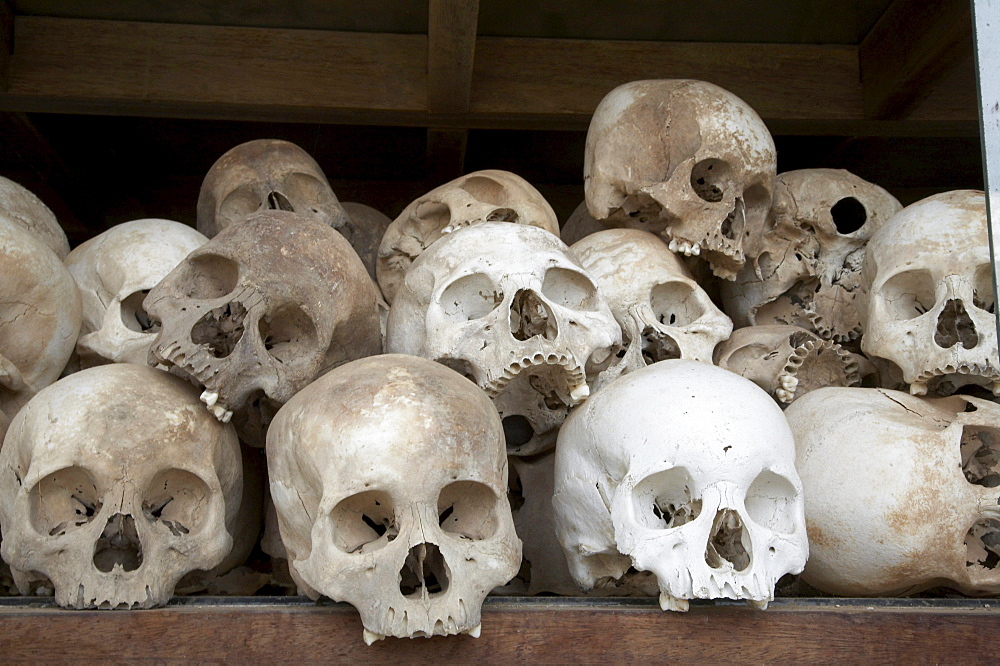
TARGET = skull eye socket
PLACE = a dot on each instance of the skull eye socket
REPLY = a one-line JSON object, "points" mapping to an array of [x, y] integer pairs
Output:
{"points": [[675, 304], [364, 522], [470, 297], [467, 509], [306, 193], [63, 501], [134, 316], [288, 334], [569, 289], [710, 180], [236, 205], [770, 501], [208, 276], [178, 500], [982, 296], [909, 294], [665, 500]]}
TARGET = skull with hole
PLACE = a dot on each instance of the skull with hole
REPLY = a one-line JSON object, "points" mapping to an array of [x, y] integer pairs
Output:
{"points": [[685, 470], [21, 207], [266, 174], [902, 492], [804, 269], [481, 196], [114, 271], [389, 479], [262, 309], [684, 159], [787, 361], [509, 306], [928, 304], [115, 483], [39, 317], [663, 312]]}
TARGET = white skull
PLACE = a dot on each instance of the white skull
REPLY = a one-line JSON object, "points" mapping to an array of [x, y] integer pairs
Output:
{"points": [[804, 269], [663, 312], [787, 361], [481, 196], [39, 317], [20, 206], [509, 306], [684, 159], [901, 492], [263, 308], [928, 281], [115, 483], [261, 175], [685, 470], [114, 271], [389, 478]]}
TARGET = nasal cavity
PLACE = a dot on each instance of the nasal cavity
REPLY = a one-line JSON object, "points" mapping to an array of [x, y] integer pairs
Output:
{"points": [[119, 545], [955, 326], [278, 201], [725, 543], [530, 316], [424, 573], [221, 329], [732, 226]]}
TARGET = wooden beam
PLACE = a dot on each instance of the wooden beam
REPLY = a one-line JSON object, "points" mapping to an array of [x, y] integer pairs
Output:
{"points": [[6, 42], [161, 70], [911, 49]]}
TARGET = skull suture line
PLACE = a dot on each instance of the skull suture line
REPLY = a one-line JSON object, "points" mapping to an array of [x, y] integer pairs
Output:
{"points": [[389, 478], [804, 269], [685, 470], [265, 306], [509, 306], [928, 305], [114, 271], [115, 483], [684, 159], [482, 196]]}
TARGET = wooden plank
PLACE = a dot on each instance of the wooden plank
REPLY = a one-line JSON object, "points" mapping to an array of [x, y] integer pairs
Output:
{"points": [[6, 42], [913, 46], [535, 631], [451, 48]]}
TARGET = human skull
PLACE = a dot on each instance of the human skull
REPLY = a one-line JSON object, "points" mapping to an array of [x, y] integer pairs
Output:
{"points": [[261, 175], [481, 196], [389, 478], [685, 470], [928, 305], [264, 307], [365, 231], [114, 271], [39, 317], [579, 225], [509, 306], [901, 492], [20, 206], [684, 159], [804, 269], [115, 483], [663, 312], [787, 361]]}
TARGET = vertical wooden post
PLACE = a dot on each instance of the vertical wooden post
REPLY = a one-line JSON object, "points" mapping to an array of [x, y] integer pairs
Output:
{"points": [[6, 43]]}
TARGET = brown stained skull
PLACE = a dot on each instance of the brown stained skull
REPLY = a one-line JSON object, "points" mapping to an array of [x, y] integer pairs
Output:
{"points": [[264, 307], [482, 196], [266, 174], [684, 159]]}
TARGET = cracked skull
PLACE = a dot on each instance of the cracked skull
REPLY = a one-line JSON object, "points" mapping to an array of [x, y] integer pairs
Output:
{"points": [[265, 174], [263, 308], [805, 268], [389, 478], [116, 483], [684, 159], [902, 492], [928, 306], [114, 271], [20, 206], [684, 470], [510, 307], [481, 196], [663, 312]]}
